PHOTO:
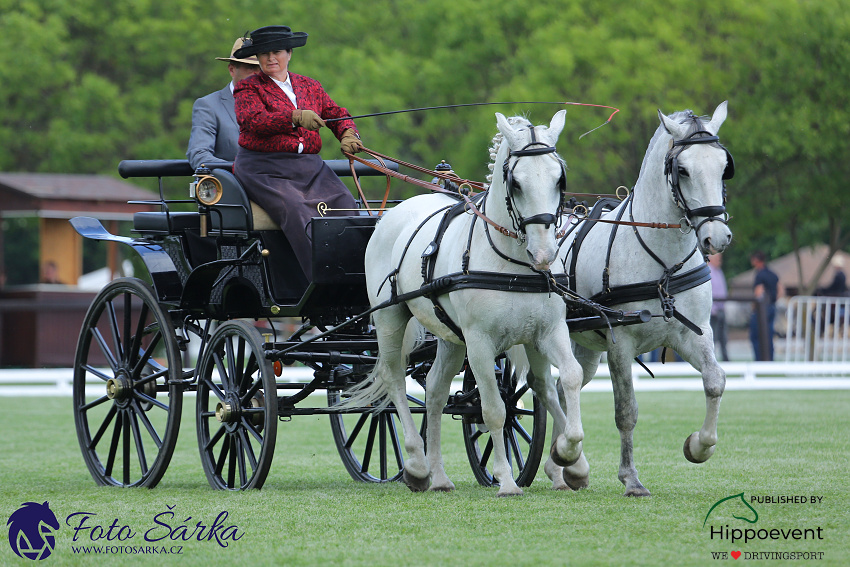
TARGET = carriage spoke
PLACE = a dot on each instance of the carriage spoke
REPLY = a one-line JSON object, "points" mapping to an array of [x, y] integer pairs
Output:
{"points": [[399, 457], [249, 449], [485, 455], [361, 421], [370, 442], [113, 327], [96, 372], [153, 401], [518, 428], [231, 463], [214, 439], [137, 435], [134, 341], [107, 352], [113, 446], [126, 448], [253, 431], [519, 394], [103, 427], [382, 444], [225, 446], [510, 438], [151, 429], [240, 451], [95, 403], [214, 389]]}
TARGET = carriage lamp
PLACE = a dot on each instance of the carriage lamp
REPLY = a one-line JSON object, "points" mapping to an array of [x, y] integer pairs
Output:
{"points": [[206, 188]]}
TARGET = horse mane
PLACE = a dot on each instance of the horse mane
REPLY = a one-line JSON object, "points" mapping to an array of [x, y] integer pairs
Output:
{"points": [[681, 116], [496, 143]]}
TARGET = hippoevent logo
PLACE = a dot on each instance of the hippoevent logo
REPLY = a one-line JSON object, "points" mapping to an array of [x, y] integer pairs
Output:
{"points": [[732, 520], [31, 531], [33, 527]]}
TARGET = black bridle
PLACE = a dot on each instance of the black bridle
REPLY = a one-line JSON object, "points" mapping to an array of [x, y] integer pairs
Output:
{"points": [[697, 135], [547, 219]]}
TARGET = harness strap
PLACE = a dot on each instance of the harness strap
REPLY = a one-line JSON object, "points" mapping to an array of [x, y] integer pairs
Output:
{"points": [[644, 291]]}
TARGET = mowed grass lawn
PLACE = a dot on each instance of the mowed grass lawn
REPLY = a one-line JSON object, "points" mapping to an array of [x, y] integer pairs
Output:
{"points": [[310, 512]]}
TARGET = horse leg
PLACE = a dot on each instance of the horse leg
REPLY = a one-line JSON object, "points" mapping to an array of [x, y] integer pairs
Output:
{"points": [[625, 416], [390, 325], [566, 448], [481, 361], [438, 383], [700, 445]]}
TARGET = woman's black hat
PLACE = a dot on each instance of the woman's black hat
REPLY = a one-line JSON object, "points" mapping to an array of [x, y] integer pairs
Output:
{"points": [[270, 38]]}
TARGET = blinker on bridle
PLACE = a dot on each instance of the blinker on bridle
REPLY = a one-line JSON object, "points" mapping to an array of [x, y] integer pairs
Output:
{"points": [[546, 219], [671, 170]]}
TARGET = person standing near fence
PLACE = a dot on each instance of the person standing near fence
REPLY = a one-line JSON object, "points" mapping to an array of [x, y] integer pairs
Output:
{"points": [[765, 290], [719, 292]]}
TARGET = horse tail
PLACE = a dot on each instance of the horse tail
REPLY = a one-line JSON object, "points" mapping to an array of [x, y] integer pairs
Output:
{"points": [[372, 392], [519, 360]]}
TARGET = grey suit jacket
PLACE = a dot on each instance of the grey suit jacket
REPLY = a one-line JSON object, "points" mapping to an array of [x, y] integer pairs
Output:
{"points": [[215, 132]]}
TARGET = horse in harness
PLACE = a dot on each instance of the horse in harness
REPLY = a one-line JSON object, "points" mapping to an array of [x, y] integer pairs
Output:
{"points": [[616, 258], [480, 287]]}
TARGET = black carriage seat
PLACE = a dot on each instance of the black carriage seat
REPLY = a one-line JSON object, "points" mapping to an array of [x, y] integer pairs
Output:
{"points": [[235, 212]]}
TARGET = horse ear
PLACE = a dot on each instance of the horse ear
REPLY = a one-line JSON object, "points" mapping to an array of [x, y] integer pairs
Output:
{"points": [[502, 123], [717, 118], [556, 126], [678, 131]]}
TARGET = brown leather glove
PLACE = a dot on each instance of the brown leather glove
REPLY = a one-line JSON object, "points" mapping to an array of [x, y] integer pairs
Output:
{"points": [[350, 142], [306, 118]]}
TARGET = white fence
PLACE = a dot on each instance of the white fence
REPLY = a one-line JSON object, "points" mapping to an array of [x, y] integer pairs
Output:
{"points": [[818, 329], [673, 376]]}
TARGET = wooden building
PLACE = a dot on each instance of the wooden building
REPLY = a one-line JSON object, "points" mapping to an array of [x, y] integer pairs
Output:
{"points": [[39, 322]]}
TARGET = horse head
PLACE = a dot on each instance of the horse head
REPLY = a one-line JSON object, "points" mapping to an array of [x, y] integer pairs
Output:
{"points": [[697, 167], [532, 183]]}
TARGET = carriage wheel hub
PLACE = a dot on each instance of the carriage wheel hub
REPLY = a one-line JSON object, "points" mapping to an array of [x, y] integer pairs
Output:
{"points": [[117, 388], [224, 412]]}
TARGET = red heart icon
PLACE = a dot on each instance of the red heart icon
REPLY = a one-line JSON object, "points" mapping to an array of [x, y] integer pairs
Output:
{"points": [[735, 554]]}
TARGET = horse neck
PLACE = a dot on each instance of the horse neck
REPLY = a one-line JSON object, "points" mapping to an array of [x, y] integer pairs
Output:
{"points": [[652, 201]]}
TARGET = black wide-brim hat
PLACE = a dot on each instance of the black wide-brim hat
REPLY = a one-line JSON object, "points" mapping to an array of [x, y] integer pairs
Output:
{"points": [[270, 38]]}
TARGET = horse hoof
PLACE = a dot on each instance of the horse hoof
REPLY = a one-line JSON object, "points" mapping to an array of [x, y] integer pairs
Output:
{"points": [[415, 484], [690, 456], [637, 492], [501, 494], [576, 482], [442, 488], [558, 460]]}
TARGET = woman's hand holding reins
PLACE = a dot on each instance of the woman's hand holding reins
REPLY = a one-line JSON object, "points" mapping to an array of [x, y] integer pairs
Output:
{"points": [[350, 142]]}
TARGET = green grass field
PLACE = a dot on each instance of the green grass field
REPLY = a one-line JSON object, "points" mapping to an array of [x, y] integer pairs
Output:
{"points": [[310, 512]]}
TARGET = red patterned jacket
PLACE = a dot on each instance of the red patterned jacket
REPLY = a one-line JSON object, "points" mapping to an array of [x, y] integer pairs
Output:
{"points": [[264, 113]]}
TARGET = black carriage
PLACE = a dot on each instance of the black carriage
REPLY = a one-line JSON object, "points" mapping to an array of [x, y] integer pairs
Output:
{"points": [[216, 274]]}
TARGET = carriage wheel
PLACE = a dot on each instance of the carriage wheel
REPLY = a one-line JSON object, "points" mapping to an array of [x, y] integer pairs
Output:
{"points": [[127, 392], [237, 408], [370, 444], [524, 432]]}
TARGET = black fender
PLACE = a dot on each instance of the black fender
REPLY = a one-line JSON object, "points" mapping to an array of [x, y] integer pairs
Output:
{"points": [[164, 276]]}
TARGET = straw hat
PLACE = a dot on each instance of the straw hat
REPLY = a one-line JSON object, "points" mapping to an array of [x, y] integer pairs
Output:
{"points": [[252, 60]]}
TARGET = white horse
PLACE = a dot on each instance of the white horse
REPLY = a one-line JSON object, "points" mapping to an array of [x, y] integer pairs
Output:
{"points": [[681, 181], [408, 250]]}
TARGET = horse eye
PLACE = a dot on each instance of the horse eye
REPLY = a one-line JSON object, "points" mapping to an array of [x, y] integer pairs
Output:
{"points": [[683, 172]]}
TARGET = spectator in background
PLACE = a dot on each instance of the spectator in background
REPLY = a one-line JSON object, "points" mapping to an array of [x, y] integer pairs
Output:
{"points": [[50, 273], [215, 132], [765, 290], [719, 292], [838, 287]]}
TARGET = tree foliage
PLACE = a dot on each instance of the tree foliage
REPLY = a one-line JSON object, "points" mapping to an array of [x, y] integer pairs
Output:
{"points": [[87, 83]]}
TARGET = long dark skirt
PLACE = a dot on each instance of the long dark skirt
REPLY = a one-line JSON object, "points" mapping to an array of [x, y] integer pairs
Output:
{"points": [[290, 187]]}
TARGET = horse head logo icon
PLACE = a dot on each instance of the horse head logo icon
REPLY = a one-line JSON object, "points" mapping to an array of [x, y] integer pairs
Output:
{"points": [[31, 531], [734, 502]]}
